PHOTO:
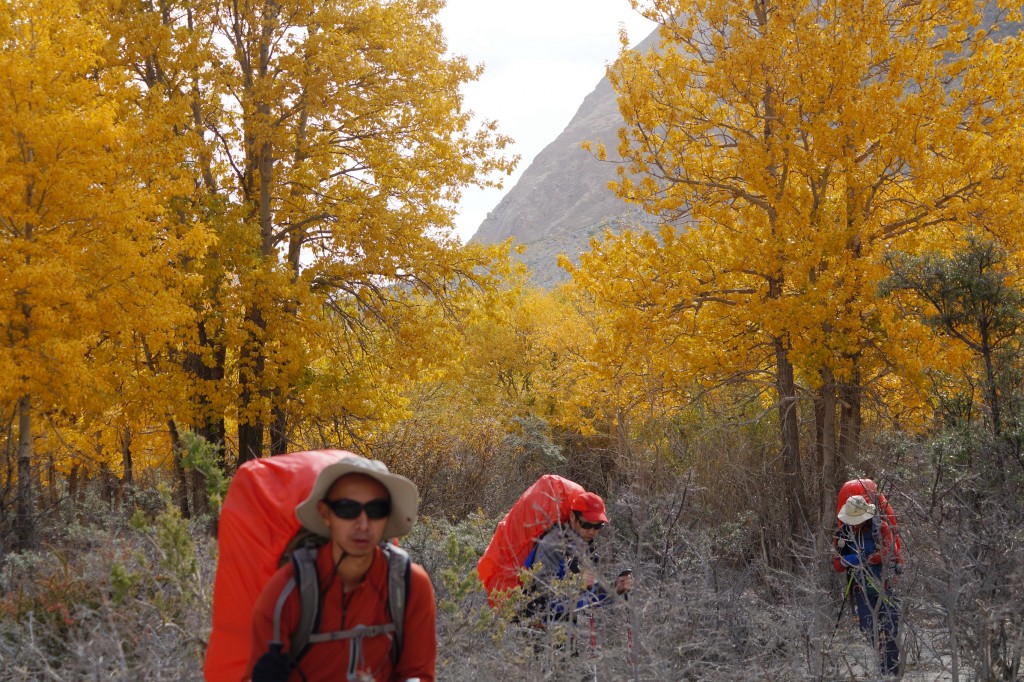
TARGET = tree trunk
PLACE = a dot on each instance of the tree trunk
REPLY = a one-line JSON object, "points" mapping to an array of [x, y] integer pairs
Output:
{"points": [[126, 457], [279, 432], [128, 477], [850, 422], [200, 496], [214, 433], [992, 400], [252, 363], [623, 447], [180, 478], [261, 155], [789, 429], [51, 472], [991, 393], [108, 486], [207, 424], [250, 441], [253, 359], [25, 519], [73, 476], [825, 419]]}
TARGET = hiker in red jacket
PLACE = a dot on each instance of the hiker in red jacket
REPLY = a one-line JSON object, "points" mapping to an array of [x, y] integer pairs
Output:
{"points": [[866, 550], [355, 503]]}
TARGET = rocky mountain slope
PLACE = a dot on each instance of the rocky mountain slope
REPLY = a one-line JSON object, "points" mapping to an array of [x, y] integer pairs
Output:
{"points": [[562, 198]]}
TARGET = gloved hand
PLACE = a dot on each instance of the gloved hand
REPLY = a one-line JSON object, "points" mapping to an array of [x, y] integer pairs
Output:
{"points": [[272, 666], [875, 559], [851, 559], [624, 582]]}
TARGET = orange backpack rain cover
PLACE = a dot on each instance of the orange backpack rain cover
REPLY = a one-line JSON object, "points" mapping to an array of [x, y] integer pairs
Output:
{"points": [[256, 523], [867, 488], [541, 506]]}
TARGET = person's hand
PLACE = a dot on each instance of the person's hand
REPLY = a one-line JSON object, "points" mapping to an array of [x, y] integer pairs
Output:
{"points": [[589, 579], [272, 666], [624, 582], [875, 559], [851, 559]]}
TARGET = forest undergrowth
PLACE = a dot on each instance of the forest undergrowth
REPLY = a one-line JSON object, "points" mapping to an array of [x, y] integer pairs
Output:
{"points": [[124, 591]]}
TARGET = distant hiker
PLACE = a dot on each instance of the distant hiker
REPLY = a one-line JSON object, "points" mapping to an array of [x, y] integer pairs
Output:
{"points": [[866, 549], [565, 565], [355, 503]]}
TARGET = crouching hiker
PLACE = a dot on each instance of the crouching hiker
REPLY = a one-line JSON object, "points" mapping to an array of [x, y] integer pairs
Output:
{"points": [[373, 616], [564, 566], [866, 550]]}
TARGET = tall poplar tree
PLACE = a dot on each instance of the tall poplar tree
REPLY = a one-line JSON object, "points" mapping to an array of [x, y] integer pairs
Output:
{"points": [[338, 147], [331, 147], [787, 146], [87, 261]]}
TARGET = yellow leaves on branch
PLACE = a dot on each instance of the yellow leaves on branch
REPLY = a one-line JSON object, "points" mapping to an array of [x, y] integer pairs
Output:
{"points": [[360, 110], [179, 183], [792, 145], [85, 253]]}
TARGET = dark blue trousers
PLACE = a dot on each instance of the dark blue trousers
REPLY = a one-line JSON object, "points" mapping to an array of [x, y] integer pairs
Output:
{"points": [[881, 610]]}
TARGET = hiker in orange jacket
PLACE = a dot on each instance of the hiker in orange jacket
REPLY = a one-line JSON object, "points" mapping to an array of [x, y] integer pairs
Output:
{"points": [[355, 503]]}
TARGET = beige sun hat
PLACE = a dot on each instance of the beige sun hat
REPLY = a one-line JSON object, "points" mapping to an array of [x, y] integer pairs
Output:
{"points": [[856, 510], [405, 498]]}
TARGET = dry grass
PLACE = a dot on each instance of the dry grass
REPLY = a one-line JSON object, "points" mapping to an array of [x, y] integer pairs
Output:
{"points": [[111, 599]]}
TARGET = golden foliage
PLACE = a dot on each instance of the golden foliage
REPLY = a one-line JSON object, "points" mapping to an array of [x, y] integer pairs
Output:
{"points": [[218, 214], [787, 147], [87, 253]]}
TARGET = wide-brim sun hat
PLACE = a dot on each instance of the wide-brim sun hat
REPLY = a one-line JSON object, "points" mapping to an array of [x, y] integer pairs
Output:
{"points": [[856, 510], [405, 498]]}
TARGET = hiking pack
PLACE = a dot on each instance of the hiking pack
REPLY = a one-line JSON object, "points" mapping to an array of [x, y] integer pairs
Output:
{"points": [[541, 506], [257, 533], [884, 515]]}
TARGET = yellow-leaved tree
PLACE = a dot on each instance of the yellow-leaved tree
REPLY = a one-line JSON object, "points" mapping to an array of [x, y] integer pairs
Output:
{"points": [[86, 256], [633, 360], [787, 146], [329, 147]]}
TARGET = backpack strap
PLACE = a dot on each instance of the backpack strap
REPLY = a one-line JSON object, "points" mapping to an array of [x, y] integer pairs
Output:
{"points": [[306, 580], [304, 576], [352, 633], [399, 566], [891, 551], [531, 558]]}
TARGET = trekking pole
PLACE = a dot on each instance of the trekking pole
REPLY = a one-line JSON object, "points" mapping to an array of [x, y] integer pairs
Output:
{"points": [[842, 606], [593, 648], [630, 641]]}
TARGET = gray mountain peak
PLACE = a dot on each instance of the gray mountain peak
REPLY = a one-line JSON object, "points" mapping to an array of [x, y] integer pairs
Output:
{"points": [[562, 198]]}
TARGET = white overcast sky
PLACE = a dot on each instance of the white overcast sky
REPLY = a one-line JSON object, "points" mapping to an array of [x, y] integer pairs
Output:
{"points": [[541, 58]]}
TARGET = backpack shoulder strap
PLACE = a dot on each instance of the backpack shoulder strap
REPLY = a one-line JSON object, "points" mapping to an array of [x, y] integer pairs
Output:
{"points": [[531, 558], [305, 578], [399, 568]]}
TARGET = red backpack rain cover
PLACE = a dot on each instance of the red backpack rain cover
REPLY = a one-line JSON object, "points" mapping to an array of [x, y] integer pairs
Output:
{"points": [[869, 490], [256, 523], [541, 506]]}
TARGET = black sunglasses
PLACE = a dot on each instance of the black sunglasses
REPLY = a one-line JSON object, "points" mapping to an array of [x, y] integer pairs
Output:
{"points": [[350, 509], [587, 525]]}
